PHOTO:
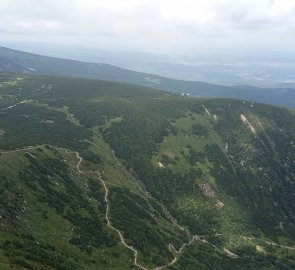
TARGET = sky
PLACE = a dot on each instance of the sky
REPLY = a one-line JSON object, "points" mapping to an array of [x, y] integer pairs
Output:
{"points": [[151, 25]]}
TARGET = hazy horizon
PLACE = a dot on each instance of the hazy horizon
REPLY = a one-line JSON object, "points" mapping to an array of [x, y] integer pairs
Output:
{"points": [[152, 26], [224, 41]]}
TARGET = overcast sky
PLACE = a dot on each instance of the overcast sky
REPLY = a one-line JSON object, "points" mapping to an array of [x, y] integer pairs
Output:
{"points": [[151, 25]]}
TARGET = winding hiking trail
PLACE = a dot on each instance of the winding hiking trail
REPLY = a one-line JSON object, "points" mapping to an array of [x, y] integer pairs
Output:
{"points": [[107, 214], [80, 159], [176, 253], [172, 249]]}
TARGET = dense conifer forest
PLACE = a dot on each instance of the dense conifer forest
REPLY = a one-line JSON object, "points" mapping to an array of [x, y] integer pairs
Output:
{"points": [[107, 175]]}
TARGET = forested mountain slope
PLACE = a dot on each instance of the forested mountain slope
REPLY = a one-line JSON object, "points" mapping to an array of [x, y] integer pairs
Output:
{"points": [[105, 175], [21, 62]]}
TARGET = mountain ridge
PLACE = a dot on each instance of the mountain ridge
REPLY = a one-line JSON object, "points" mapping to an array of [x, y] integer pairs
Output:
{"points": [[21, 62]]}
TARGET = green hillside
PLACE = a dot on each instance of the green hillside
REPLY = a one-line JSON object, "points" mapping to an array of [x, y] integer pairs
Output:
{"points": [[28, 63], [106, 175]]}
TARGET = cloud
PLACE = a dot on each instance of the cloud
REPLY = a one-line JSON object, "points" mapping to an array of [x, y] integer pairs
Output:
{"points": [[142, 24]]}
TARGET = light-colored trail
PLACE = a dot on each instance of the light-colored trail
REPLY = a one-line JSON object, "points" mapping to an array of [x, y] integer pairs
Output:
{"points": [[277, 245], [123, 241], [20, 149], [206, 110], [14, 105], [80, 159], [176, 253], [257, 240], [107, 213], [141, 186]]}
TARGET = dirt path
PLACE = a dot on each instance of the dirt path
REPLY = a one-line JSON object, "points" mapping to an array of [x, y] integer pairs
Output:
{"points": [[277, 245], [107, 213], [122, 239], [245, 120], [206, 110], [80, 159], [173, 250], [20, 149], [141, 186], [14, 105], [176, 253], [258, 240]]}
